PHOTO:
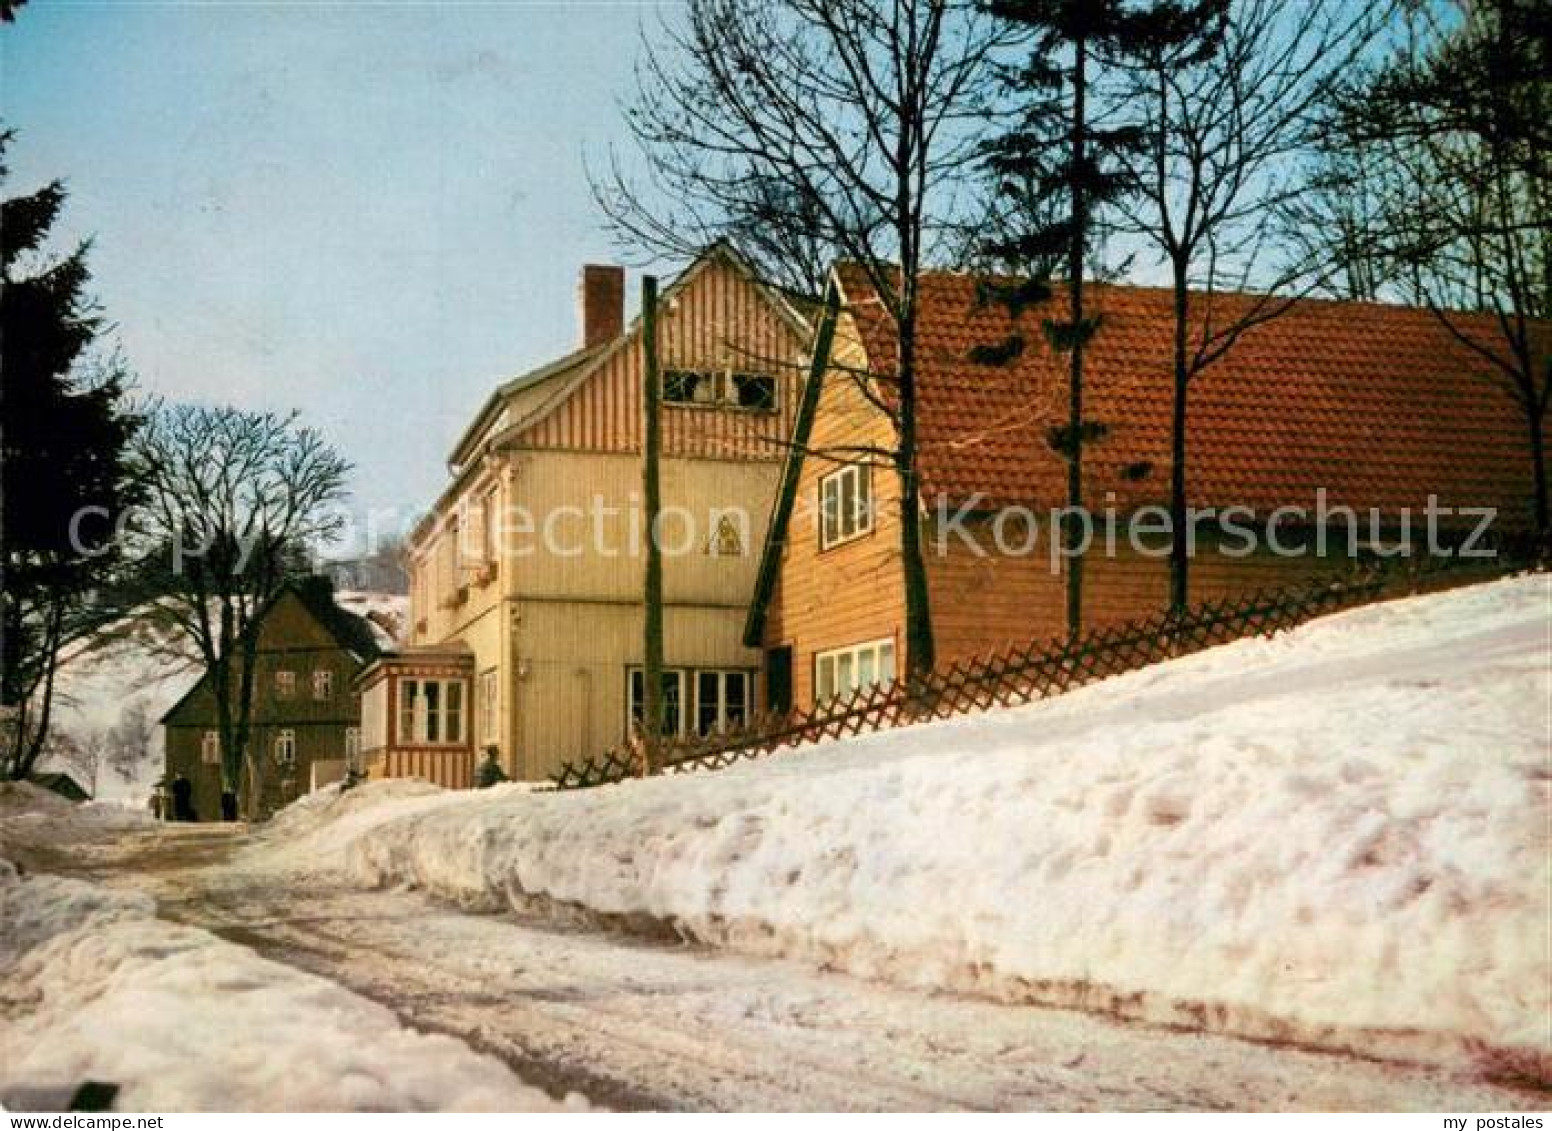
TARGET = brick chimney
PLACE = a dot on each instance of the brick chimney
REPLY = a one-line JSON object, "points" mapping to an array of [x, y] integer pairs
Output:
{"points": [[601, 295]]}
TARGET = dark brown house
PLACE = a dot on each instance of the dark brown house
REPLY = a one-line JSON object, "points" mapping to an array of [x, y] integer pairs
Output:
{"points": [[306, 717]]}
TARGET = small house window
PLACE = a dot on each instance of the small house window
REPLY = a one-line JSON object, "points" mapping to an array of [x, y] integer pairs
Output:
{"points": [[285, 685], [323, 684], [690, 386], [673, 698], [210, 748], [722, 701], [431, 711], [843, 672], [285, 747], [845, 505], [490, 527], [754, 391]]}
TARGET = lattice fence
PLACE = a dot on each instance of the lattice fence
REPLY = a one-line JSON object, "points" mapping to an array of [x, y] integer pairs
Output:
{"points": [[1025, 674]]}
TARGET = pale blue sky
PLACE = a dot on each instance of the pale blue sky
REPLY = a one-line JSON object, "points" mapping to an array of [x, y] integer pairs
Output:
{"points": [[371, 213]]}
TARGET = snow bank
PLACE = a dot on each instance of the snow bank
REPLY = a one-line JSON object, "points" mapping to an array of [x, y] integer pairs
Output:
{"points": [[315, 829], [20, 797], [35, 818], [97, 988], [1338, 836]]}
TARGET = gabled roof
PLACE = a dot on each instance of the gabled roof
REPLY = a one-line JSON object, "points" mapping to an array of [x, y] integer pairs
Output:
{"points": [[1379, 405], [560, 378], [575, 368], [352, 633], [534, 377], [349, 631]]}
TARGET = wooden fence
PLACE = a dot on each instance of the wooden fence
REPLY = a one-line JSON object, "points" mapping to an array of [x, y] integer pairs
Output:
{"points": [[1025, 674]]}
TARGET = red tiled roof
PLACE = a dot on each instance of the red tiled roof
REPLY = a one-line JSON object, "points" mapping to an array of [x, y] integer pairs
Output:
{"points": [[1380, 405]]}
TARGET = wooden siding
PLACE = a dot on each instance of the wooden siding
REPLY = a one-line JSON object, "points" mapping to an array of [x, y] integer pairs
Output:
{"points": [[560, 629], [569, 668], [852, 592], [315, 742], [718, 320], [983, 604], [450, 769]]}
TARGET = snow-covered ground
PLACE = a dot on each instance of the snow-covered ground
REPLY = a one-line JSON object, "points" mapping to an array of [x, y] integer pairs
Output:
{"points": [[113, 688], [1336, 837], [98, 988]]}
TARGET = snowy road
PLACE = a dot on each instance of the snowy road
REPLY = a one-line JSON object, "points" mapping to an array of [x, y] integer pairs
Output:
{"points": [[635, 1022]]}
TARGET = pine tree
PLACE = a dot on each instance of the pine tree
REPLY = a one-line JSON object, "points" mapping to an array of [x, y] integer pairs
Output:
{"points": [[64, 425], [1059, 166]]}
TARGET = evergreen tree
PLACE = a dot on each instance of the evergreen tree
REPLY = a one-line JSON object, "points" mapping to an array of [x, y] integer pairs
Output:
{"points": [[64, 426], [1063, 161]]}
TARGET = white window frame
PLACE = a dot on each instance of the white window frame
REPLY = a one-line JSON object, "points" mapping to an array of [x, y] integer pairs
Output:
{"points": [[490, 509], [724, 678], [285, 747], [285, 684], [681, 675], [838, 672], [210, 748], [323, 685], [839, 523], [415, 709], [488, 692]]}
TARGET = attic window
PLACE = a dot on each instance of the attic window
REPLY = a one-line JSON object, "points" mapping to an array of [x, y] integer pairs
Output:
{"points": [[727, 541], [755, 391], [689, 386], [752, 392]]}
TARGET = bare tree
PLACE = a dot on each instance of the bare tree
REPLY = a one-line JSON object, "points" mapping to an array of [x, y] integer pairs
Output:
{"points": [[1225, 133], [1454, 133], [234, 496], [813, 130]]}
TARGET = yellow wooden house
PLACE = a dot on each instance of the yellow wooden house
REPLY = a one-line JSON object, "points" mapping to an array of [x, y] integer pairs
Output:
{"points": [[526, 576]]}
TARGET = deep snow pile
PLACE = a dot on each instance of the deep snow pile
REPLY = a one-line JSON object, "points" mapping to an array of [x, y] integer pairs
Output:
{"points": [[1338, 836], [21, 798], [97, 988]]}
